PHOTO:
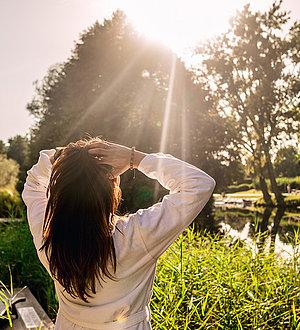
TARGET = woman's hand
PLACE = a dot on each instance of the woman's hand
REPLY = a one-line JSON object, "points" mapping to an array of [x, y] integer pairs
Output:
{"points": [[116, 155]]}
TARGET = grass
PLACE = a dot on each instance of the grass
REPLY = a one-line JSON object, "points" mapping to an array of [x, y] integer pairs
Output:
{"points": [[17, 252], [5, 294], [202, 282], [205, 283]]}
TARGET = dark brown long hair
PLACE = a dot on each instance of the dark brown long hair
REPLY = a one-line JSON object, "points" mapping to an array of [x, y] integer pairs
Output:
{"points": [[79, 220]]}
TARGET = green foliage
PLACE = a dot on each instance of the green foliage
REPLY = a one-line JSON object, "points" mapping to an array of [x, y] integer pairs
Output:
{"points": [[293, 182], [287, 162], [282, 183], [11, 204], [292, 201], [18, 149], [9, 171], [225, 174], [252, 75], [3, 147], [116, 84], [201, 283], [5, 294], [18, 252]]}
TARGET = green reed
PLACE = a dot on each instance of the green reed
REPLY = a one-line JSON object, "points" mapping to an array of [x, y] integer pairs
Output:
{"points": [[204, 282], [5, 294]]}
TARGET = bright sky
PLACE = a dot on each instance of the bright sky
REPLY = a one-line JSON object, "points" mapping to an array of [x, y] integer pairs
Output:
{"points": [[36, 34]]}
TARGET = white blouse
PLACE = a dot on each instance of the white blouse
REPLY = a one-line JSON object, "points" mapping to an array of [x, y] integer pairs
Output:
{"points": [[124, 304]]}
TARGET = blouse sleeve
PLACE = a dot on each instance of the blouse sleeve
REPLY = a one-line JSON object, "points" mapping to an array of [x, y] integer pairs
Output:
{"points": [[34, 193], [189, 190]]}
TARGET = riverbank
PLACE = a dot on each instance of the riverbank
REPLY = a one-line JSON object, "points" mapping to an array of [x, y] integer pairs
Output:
{"points": [[202, 282], [254, 197]]}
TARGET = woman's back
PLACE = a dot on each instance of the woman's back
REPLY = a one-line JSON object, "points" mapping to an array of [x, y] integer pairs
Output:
{"points": [[139, 240], [117, 299]]}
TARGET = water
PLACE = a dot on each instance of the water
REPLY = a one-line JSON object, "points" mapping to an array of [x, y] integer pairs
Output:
{"points": [[261, 229]]}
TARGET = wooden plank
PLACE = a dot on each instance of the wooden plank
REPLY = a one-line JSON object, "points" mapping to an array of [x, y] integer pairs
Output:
{"points": [[30, 312]]}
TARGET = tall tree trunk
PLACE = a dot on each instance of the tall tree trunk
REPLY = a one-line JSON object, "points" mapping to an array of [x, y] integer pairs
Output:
{"points": [[271, 174], [262, 181]]}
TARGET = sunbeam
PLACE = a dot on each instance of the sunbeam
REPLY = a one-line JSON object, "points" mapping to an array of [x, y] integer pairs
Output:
{"points": [[167, 113], [142, 102], [184, 128], [106, 96], [165, 125]]}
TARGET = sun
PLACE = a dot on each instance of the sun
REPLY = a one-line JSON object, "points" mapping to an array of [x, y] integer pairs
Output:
{"points": [[181, 23]]}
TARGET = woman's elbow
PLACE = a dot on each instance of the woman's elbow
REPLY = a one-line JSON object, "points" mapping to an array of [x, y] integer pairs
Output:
{"points": [[213, 184], [210, 184]]}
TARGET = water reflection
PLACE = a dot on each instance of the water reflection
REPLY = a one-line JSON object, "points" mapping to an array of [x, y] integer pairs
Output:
{"points": [[264, 229]]}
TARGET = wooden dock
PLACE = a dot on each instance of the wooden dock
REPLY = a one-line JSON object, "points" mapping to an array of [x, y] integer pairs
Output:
{"points": [[30, 314]]}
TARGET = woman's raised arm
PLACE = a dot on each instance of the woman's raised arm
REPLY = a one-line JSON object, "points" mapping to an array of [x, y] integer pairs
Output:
{"points": [[190, 189]]}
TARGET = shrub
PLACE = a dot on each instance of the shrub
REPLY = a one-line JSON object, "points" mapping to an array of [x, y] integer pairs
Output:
{"points": [[282, 183], [9, 171], [11, 204]]}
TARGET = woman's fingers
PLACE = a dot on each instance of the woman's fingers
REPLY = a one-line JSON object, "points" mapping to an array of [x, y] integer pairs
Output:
{"points": [[98, 151], [99, 144], [116, 155]]}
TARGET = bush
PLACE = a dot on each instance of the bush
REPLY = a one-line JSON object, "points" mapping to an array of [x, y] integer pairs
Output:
{"points": [[9, 171], [11, 205], [282, 183]]}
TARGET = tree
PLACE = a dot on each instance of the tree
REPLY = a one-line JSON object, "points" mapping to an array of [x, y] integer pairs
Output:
{"points": [[18, 149], [129, 90], [287, 162], [9, 170], [2, 147], [253, 73]]}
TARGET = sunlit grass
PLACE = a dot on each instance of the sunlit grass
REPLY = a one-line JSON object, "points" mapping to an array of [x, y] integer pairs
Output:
{"points": [[18, 252], [205, 283], [202, 282], [5, 294]]}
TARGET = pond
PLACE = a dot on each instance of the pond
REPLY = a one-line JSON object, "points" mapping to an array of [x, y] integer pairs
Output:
{"points": [[272, 229]]}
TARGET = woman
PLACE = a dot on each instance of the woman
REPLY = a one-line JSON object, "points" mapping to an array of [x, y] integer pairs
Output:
{"points": [[103, 265]]}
